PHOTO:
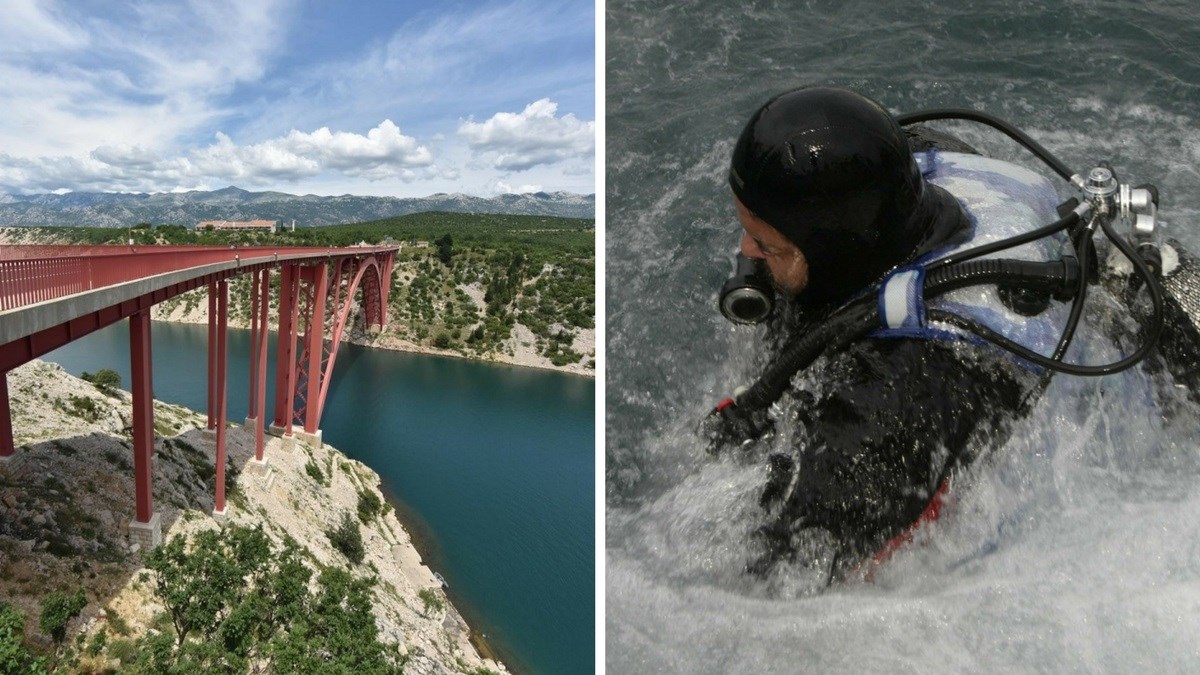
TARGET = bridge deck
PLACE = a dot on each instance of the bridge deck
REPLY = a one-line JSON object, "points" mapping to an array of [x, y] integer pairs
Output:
{"points": [[42, 286]]}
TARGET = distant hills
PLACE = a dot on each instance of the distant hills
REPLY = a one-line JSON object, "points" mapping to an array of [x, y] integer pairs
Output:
{"points": [[106, 209]]}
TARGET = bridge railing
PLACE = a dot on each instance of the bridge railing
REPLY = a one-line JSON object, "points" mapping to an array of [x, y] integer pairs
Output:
{"points": [[33, 274]]}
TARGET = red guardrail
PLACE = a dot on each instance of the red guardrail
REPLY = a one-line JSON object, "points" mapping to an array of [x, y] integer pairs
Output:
{"points": [[32, 274]]}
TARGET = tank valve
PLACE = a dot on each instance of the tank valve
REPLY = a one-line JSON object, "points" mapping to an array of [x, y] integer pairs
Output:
{"points": [[1140, 206]]}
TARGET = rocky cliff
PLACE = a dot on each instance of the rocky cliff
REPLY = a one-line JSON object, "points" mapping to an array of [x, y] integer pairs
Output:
{"points": [[67, 495]]}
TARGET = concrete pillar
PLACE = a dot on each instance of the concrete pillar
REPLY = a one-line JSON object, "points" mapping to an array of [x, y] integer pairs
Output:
{"points": [[146, 524], [313, 438], [147, 535]]}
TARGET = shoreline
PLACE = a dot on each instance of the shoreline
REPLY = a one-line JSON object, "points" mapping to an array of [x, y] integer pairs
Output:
{"points": [[401, 345], [420, 537], [433, 351]]}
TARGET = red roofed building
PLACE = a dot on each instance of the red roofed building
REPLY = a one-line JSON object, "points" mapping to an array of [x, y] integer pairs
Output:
{"points": [[268, 225]]}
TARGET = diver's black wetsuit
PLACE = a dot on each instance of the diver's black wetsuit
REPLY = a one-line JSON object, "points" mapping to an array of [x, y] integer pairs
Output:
{"points": [[881, 426]]}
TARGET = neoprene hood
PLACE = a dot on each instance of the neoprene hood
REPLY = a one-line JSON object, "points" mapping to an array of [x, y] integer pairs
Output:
{"points": [[832, 171]]}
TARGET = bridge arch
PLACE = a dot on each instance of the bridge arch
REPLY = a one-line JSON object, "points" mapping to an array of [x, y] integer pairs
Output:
{"points": [[331, 314]]}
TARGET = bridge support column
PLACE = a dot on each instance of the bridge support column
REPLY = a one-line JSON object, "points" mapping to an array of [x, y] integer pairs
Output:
{"points": [[315, 345], [285, 353], [222, 324], [6, 437], [212, 357], [145, 529], [261, 288], [252, 401]]}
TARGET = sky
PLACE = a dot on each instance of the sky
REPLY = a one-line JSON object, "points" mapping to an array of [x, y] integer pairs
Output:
{"points": [[367, 97]]}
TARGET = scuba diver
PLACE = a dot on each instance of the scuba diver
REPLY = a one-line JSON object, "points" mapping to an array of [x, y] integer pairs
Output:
{"points": [[899, 354]]}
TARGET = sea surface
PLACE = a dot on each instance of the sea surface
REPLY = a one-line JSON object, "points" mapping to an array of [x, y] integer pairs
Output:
{"points": [[492, 467], [1076, 549]]}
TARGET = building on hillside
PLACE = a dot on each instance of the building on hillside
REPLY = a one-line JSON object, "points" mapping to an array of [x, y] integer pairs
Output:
{"points": [[243, 225]]}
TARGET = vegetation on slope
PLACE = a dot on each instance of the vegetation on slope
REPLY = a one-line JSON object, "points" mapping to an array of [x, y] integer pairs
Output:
{"points": [[234, 602], [268, 592]]}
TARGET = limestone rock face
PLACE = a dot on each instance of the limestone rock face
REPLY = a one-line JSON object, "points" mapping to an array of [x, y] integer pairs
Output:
{"points": [[67, 496]]}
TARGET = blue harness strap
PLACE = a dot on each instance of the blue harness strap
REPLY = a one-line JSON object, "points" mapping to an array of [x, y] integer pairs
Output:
{"points": [[1000, 200], [902, 303]]}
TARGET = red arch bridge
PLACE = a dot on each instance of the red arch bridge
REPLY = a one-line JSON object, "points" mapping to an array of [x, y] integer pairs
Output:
{"points": [[52, 295]]}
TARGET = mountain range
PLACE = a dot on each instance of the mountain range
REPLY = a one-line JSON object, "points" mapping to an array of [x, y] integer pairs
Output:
{"points": [[106, 209]]}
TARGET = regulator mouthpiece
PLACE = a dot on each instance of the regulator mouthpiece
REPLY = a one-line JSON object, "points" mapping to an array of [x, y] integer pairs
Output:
{"points": [[748, 296]]}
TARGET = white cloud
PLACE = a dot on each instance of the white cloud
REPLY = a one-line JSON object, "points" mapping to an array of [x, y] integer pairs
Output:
{"points": [[382, 153], [130, 97], [520, 141], [135, 74], [446, 63], [382, 146], [32, 26]]}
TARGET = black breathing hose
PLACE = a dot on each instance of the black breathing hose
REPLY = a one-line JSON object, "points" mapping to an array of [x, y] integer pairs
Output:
{"points": [[994, 122], [861, 316], [851, 323], [1154, 331], [1083, 254], [1057, 226], [857, 319]]}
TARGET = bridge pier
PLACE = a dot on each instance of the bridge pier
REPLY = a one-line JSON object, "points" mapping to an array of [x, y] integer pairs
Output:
{"points": [[314, 339], [222, 296], [146, 528], [212, 356], [259, 294], [260, 291], [285, 353]]}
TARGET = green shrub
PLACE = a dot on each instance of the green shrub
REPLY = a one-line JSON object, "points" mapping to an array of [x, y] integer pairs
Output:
{"points": [[58, 609], [347, 539], [123, 650], [369, 506], [104, 379], [83, 408], [13, 657], [314, 470], [116, 621], [430, 599], [98, 641]]}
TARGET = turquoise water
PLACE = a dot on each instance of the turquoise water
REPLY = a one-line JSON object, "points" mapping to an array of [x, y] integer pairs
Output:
{"points": [[492, 467]]}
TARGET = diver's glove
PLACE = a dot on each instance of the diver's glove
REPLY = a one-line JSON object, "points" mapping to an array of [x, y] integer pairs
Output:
{"points": [[730, 426]]}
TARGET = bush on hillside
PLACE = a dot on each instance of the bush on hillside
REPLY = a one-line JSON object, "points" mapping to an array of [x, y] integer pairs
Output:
{"points": [[347, 539], [58, 609]]}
